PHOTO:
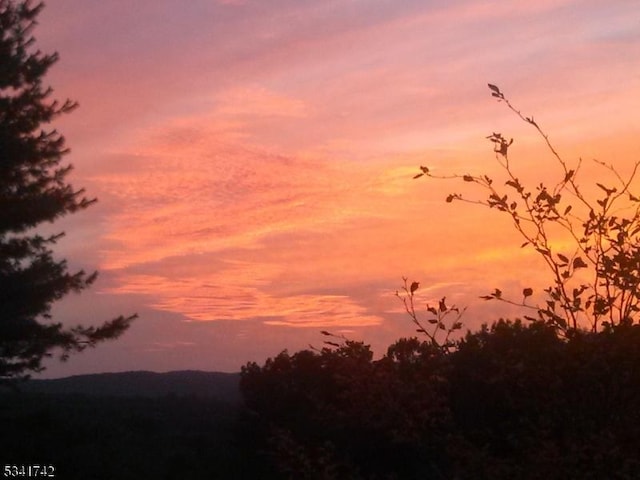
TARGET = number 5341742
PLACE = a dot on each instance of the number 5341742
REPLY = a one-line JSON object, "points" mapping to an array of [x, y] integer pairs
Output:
{"points": [[29, 471]]}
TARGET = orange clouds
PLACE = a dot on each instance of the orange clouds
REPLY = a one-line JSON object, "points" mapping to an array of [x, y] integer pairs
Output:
{"points": [[240, 291], [237, 205], [254, 159]]}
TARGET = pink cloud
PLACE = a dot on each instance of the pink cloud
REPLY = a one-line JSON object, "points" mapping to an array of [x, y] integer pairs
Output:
{"points": [[254, 160], [255, 101]]}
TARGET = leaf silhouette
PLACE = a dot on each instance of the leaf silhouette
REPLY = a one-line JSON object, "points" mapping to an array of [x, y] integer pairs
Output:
{"points": [[527, 292], [579, 263], [568, 176], [443, 305], [414, 287], [608, 191]]}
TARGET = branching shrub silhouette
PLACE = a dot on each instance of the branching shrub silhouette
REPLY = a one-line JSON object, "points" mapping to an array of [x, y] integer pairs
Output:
{"points": [[594, 283], [444, 319]]}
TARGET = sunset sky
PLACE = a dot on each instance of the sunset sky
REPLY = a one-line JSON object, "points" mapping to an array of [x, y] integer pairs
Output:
{"points": [[253, 160]]}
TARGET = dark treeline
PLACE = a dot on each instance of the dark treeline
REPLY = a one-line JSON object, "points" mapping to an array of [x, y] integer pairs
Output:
{"points": [[511, 401]]}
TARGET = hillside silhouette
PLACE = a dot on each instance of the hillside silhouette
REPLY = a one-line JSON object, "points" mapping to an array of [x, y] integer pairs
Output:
{"points": [[214, 385]]}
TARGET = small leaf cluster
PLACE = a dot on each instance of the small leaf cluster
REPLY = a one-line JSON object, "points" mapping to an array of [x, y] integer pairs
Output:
{"points": [[443, 320]]}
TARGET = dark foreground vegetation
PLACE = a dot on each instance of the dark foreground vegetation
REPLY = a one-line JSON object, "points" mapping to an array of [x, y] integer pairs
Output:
{"points": [[512, 401], [509, 401], [89, 437]]}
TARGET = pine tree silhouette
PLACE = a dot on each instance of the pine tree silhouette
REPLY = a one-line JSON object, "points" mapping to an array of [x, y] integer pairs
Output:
{"points": [[33, 190]]}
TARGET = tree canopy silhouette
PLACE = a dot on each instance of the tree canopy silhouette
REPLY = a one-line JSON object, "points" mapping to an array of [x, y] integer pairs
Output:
{"points": [[34, 190]]}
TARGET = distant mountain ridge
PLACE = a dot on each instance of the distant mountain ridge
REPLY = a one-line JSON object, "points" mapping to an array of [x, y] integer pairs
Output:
{"points": [[217, 385]]}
